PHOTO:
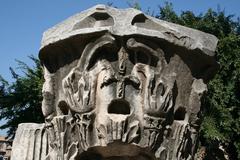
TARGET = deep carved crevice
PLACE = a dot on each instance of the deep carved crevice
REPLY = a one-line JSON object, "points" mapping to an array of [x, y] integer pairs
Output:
{"points": [[89, 156], [63, 107], [180, 114], [119, 107], [116, 151]]}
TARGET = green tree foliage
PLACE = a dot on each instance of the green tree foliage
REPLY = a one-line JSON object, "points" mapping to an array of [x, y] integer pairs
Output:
{"points": [[134, 4], [221, 121], [20, 101]]}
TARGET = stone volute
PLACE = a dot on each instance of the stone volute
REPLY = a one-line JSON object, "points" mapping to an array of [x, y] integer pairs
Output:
{"points": [[119, 84]]}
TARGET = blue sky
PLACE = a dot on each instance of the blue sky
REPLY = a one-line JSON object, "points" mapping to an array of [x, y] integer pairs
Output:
{"points": [[23, 22]]}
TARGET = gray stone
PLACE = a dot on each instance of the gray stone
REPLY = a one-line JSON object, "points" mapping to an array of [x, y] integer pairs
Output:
{"points": [[30, 142], [128, 22], [121, 85]]}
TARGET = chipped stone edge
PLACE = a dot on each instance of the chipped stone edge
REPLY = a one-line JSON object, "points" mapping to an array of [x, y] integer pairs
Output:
{"points": [[179, 35]]}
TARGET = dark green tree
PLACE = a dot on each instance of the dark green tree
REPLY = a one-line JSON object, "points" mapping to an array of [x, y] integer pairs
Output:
{"points": [[20, 101]]}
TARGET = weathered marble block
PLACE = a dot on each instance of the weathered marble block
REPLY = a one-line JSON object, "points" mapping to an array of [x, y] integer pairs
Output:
{"points": [[119, 84]]}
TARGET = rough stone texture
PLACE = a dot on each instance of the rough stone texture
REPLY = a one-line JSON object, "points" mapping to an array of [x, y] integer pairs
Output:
{"points": [[121, 85], [30, 142]]}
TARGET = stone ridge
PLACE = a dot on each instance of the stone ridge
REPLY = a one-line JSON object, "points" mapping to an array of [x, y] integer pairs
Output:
{"points": [[127, 22]]}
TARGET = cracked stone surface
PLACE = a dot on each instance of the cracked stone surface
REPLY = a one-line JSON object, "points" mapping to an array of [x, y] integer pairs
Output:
{"points": [[119, 85]]}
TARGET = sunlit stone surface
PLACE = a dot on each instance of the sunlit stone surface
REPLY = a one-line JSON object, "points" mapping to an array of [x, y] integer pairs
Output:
{"points": [[119, 85]]}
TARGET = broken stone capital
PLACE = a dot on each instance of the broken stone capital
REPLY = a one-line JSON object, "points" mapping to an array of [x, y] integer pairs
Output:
{"points": [[119, 84]]}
